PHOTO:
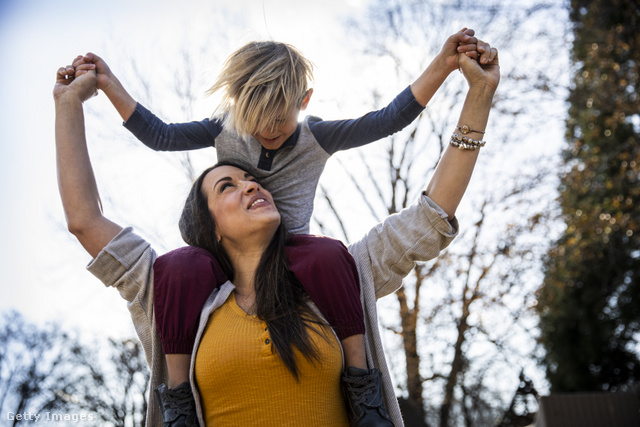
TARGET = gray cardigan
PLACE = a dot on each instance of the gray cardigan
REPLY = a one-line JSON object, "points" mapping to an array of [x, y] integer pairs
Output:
{"points": [[384, 256]]}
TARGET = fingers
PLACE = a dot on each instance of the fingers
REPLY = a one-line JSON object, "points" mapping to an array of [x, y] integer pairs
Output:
{"points": [[78, 67], [77, 61], [65, 73], [70, 72], [84, 68], [61, 75], [465, 37], [482, 51], [493, 56], [462, 37], [471, 50], [467, 43], [91, 57], [85, 59], [468, 31], [471, 47], [486, 53]]}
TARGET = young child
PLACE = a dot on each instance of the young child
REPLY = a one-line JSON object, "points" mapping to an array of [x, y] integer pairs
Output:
{"points": [[265, 86]]}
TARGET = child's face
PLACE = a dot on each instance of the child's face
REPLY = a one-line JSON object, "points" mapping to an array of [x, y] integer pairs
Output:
{"points": [[285, 127]]}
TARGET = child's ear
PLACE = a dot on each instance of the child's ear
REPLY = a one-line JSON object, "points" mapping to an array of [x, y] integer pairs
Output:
{"points": [[306, 99]]}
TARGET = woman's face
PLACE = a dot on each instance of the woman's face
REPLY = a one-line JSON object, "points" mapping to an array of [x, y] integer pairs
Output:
{"points": [[241, 208]]}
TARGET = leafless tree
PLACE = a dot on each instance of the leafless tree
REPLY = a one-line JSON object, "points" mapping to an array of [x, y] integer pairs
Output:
{"points": [[463, 319], [50, 372], [112, 382], [34, 364]]}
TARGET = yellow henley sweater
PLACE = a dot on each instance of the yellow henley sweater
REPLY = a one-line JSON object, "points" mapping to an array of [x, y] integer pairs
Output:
{"points": [[243, 382]]}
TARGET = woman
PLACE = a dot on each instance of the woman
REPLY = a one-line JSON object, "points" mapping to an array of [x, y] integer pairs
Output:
{"points": [[383, 257]]}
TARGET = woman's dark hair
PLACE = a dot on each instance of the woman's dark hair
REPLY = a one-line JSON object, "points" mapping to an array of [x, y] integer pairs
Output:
{"points": [[280, 297]]}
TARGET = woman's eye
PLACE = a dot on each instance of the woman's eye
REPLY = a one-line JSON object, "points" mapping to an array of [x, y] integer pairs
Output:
{"points": [[225, 186]]}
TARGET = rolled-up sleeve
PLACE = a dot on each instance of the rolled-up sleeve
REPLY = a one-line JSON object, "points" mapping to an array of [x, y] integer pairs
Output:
{"points": [[417, 233], [126, 263]]}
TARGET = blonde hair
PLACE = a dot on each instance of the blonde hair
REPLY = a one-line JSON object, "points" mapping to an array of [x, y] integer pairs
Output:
{"points": [[262, 82]]}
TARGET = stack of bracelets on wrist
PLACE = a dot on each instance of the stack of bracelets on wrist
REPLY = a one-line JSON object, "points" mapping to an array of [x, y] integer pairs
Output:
{"points": [[463, 142]]}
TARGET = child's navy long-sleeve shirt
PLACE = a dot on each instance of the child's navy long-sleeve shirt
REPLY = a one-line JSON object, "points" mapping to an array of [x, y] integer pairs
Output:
{"points": [[291, 172]]}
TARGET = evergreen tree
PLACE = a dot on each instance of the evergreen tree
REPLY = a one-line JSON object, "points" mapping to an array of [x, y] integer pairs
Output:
{"points": [[589, 304]]}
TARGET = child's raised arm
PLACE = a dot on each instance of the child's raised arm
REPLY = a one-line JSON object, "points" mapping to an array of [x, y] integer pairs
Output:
{"points": [[149, 129], [108, 83]]}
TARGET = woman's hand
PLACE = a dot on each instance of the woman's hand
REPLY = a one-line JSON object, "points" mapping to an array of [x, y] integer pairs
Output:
{"points": [[485, 74], [72, 84]]}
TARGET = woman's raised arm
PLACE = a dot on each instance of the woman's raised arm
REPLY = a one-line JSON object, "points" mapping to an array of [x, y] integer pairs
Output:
{"points": [[76, 181], [453, 173]]}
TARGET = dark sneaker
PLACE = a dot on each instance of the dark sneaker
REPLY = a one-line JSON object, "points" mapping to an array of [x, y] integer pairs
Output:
{"points": [[178, 405], [364, 398]]}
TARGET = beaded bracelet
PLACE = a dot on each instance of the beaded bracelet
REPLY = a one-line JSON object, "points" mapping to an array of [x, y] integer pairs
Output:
{"points": [[466, 143]]}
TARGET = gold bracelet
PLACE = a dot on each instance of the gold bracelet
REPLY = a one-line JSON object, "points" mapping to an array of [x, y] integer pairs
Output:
{"points": [[466, 143], [466, 129]]}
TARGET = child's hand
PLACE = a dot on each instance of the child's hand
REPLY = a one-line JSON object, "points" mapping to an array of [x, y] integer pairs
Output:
{"points": [[91, 61], [487, 54], [461, 42]]}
